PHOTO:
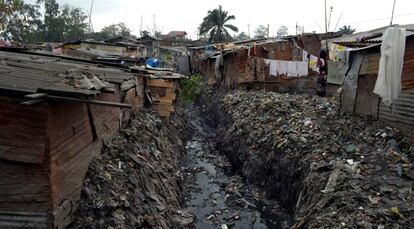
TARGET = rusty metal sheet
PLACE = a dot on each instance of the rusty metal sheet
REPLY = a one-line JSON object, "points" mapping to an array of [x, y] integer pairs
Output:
{"points": [[367, 101], [350, 85], [23, 220], [336, 72], [401, 113]]}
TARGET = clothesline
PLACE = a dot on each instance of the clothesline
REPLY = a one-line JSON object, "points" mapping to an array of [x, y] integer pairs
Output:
{"points": [[287, 68]]}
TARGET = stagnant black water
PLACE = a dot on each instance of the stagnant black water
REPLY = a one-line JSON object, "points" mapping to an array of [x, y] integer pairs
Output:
{"points": [[217, 197]]}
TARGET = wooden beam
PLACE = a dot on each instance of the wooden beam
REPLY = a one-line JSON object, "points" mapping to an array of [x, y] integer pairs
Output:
{"points": [[31, 102], [163, 101], [160, 83], [170, 96], [36, 96], [94, 102]]}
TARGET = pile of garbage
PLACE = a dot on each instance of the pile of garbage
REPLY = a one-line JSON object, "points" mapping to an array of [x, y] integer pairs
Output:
{"points": [[328, 171], [136, 182]]}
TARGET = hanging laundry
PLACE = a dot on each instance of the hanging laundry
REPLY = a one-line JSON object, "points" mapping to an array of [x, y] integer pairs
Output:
{"points": [[305, 56], [388, 84], [287, 68], [313, 63]]}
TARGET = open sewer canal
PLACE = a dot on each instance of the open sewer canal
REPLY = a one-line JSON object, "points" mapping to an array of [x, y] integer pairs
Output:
{"points": [[217, 197]]}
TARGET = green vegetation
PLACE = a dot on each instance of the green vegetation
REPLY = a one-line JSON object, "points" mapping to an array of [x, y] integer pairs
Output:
{"points": [[215, 25], [47, 21], [346, 29], [190, 88], [260, 32]]}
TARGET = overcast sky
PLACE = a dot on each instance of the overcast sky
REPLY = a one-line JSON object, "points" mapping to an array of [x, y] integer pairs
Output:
{"points": [[188, 14]]}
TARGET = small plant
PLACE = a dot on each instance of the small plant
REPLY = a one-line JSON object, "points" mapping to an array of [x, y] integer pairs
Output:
{"points": [[190, 88]]}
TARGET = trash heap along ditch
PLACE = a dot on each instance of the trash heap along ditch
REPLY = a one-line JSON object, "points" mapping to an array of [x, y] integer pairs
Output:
{"points": [[327, 171], [136, 182]]}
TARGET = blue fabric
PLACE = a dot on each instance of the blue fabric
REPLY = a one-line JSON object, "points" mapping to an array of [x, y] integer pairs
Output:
{"points": [[152, 62]]}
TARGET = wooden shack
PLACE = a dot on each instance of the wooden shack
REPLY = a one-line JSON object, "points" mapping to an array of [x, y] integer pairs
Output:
{"points": [[364, 102], [50, 129]]}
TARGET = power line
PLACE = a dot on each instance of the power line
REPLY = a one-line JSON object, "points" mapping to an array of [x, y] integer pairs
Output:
{"points": [[79, 3], [116, 4], [378, 19], [392, 16]]}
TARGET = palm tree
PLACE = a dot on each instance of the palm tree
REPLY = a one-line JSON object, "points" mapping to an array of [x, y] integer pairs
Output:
{"points": [[346, 29], [215, 24]]}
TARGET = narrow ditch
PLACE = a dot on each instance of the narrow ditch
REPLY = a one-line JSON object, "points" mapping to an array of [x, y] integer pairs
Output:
{"points": [[214, 193], [250, 160]]}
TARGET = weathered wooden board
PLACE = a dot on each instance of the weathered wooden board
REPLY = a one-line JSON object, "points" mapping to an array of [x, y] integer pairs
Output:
{"points": [[163, 101], [22, 131], [160, 83], [170, 96]]}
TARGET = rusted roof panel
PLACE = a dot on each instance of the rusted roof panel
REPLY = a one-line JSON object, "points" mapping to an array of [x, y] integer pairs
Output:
{"points": [[356, 37], [34, 73]]}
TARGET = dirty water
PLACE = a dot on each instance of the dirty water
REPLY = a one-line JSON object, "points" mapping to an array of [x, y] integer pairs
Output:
{"points": [[218, 198]]}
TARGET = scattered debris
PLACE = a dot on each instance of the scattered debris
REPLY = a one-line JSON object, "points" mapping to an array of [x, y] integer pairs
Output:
{"points": [[136, 182], [328, 171]]}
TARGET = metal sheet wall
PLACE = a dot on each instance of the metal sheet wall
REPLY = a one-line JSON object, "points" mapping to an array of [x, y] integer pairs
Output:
{"points": [[401, 114]]}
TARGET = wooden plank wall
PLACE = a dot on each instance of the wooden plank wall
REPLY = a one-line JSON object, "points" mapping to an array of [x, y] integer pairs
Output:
{"points": [[69, 134], [76, 132], [164, 93], [24, 183], [56, 142], [370, 64], [22, 132], [134, 96], [407, 78]]}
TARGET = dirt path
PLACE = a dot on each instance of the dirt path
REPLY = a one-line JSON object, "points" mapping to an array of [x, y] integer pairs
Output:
{"points": [[212, 193]]}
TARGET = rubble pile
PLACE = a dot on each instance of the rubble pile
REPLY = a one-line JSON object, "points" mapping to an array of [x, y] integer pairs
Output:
{"points": [[136, 182], [327, 171]]}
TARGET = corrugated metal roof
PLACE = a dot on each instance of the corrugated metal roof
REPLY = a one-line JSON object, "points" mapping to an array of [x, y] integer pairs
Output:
{"points": [[354, 38], [32, 73]]}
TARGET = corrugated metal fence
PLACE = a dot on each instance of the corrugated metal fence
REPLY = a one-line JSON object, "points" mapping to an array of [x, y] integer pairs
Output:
{"points": [[401, 114]]}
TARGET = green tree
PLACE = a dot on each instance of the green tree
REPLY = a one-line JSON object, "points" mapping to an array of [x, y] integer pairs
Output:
{"points": [[124, 30], [53, 23], [75, 25], [62, 23], [242, 36], [112, 31], [282, 31], [23, 23], [8, 9], [260, 32], [215, 24], [346, 29]]}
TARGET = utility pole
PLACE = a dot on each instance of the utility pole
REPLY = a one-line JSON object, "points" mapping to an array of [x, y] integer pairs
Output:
{"points": [[268, 30], [296, 28], [336, 26], [326, 20], [330, 17], [90, 18], [392, 15], [155, 28], [140, 32], [248, 30]]}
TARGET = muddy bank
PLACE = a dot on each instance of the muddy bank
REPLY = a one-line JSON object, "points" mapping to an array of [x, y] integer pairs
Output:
{"points": [[136, 182], [326, 171]]}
